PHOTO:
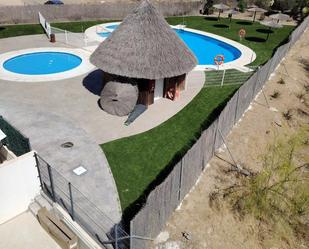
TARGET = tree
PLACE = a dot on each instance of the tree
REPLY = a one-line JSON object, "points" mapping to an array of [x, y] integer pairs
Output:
{"points": [[264, 3], [283, 5], [207, 7], [300, 9], [242, 5]]}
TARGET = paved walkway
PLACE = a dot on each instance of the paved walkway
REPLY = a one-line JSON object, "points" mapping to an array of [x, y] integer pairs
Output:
{"points": [[25, 232], [47, 131], [77, 98]]}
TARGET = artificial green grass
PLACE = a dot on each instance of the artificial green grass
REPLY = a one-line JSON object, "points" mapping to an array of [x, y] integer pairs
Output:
{"points": [[255, 33], [231, 77], [18, 30], [137, 160], [34, 29]]}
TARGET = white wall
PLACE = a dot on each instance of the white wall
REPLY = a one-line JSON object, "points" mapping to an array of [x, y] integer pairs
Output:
{"points": [[19, 184]]}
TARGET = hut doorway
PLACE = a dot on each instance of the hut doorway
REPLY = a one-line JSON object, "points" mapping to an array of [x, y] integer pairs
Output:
{"points": [[158, 91]]}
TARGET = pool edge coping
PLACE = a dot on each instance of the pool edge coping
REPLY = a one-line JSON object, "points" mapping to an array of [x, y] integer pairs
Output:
{"points": [[83, 68]]}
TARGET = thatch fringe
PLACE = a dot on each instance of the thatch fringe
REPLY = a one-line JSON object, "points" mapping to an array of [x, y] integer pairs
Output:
{"points": [[144, 46]]}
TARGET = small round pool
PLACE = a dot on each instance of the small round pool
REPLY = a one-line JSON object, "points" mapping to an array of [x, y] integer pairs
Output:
{"points": [[42, 63]]}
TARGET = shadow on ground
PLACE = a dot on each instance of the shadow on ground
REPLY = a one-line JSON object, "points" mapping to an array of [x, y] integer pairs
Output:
{"points": [[211, 18], [93, 82], [220, 25], [255, 39], [244, 23], [265, 31]]}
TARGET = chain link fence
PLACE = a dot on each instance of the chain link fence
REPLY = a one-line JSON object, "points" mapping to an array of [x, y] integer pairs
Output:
{"points": [[164, 199]]}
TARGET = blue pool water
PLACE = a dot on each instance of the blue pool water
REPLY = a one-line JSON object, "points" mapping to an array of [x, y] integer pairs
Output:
{"points": [[113, 26], [39, 63], [204, 47]]}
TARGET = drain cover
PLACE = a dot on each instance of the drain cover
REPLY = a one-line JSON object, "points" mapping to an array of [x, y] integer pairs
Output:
{"points": [[79, 170], [67, 145]]}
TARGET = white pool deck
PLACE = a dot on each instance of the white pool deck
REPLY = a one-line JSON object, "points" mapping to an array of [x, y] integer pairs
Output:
{"points": [[83, 68], [91, 34]]}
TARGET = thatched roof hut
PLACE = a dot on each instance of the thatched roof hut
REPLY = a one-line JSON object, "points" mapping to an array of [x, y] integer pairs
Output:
{"points": [[144, 47]]}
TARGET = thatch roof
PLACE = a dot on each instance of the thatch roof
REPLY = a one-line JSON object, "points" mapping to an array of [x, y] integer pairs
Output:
{"points": [[144, 46], [118, 98]]}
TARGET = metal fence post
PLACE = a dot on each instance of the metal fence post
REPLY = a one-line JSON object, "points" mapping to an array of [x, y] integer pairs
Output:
{"points": [[116, 236], [38, 168], [71, 200], [223, 77], [255, 85], [180, 180], [236, 111], [131, 234], [51, 182], [66, 36]]}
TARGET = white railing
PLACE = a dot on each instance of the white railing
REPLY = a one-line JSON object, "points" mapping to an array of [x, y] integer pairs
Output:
{"points": [[45, 25], [78, 40]]}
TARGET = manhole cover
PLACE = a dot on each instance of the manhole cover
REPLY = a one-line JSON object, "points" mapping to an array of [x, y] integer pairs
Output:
{"points": [[67, 145]]}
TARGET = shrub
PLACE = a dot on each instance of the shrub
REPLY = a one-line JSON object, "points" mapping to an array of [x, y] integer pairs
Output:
{"points": [[279, 193], [242, 5], [275, 95]]}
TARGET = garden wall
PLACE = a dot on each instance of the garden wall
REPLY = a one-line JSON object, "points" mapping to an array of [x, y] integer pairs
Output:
{"points": [[19, 184], [76, 12], [164, 199]]}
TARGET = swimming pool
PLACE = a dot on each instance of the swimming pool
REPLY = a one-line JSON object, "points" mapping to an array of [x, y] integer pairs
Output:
{"points": [[204, 47], [42, 63], [112, 26]]}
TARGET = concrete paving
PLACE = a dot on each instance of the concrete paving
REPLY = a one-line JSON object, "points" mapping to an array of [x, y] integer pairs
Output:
{"points": [[54, 112], [77, 98], [25, 232], [47, 131]]}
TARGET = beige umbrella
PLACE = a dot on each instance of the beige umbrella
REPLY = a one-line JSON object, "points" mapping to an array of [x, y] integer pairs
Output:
{"points": [[252, 6], [280, 17], [221, 7], [255, 10], [271, 24]]}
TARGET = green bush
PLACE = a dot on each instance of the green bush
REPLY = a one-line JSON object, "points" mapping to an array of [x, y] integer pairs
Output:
{"points": [[15, 141], [242, 5], [279, 193]]}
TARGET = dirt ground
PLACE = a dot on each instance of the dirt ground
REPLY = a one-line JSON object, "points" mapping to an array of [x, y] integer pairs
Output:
{"points": [[195, 225], [33, 2]]}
